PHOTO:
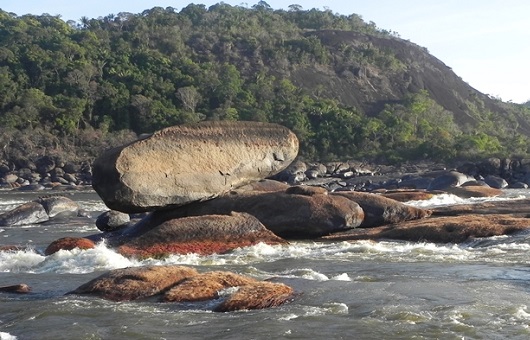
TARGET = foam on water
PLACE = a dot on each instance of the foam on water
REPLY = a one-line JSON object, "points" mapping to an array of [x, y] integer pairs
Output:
{"points": [[331, 308], [19, 261], [450, 199], [496, 249], [7, 336]]}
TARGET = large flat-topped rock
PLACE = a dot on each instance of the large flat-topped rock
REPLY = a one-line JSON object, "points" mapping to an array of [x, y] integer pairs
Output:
{"points": [[187, 163]]}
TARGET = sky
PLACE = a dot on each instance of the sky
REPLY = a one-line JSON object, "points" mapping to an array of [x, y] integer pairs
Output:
{"points": [[485, 42]]}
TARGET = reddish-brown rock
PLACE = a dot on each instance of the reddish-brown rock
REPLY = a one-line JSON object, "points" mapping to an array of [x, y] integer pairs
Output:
{"points": [[193, 162], [135, 282], [474, 191], [447, 229], [267, 185], [520, 207], [206, 286], [204, 235], [409, 195], [69, 243], [379, 210], [185, 284], [258, 295]]}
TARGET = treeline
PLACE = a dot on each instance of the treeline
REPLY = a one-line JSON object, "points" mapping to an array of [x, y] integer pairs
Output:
{"points": [[80, 87]]}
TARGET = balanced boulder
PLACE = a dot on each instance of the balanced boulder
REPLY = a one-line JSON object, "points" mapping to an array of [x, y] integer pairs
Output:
{"points": [[188, 163]]}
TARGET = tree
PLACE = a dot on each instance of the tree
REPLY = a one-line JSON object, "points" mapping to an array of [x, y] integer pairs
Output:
{"points": [[189, 96]]}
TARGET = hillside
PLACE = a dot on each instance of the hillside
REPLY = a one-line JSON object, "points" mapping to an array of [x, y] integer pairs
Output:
{"points": [[347, 88]]}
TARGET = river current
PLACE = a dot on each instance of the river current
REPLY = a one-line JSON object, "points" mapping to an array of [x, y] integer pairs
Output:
{"points": [[345, 290]]}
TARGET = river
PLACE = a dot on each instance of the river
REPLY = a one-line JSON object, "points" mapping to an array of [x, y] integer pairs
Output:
{"points": [[345, 290]]}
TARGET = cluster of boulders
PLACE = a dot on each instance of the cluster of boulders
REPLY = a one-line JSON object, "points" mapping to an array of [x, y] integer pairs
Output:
{"points": [[359, 176], [212, 187], [45, 173]]}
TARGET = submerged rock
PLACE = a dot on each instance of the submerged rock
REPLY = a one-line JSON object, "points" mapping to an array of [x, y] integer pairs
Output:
{"points": [[194, 162], [16, 289]]}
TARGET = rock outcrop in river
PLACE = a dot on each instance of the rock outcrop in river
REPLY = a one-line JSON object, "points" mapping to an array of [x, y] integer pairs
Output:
{"points": [[188, 163], [206, 191]]}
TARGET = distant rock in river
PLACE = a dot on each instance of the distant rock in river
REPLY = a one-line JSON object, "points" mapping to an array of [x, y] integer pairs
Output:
{"points": [[194, 162]]}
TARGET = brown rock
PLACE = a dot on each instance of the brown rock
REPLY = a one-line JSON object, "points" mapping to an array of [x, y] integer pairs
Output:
{"points": [[17, 289], [450, 229], [409, 195], [474, 191], [267, 185], [69, 243], [258, 295], [288, 216], [204, 235], [250, 293], [306, 190], [188, 163], [379, 210], [205, 286], [135, 282], [520, 207]]}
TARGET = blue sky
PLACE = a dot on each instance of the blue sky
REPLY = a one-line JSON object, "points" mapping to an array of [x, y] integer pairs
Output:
{"points": [[486, 42]]}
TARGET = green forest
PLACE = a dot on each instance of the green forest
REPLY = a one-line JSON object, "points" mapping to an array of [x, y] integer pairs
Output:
{"points": [[76, 88]]}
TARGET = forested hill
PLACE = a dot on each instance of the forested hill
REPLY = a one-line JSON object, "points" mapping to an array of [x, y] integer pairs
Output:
{"points": [[347, 88]]}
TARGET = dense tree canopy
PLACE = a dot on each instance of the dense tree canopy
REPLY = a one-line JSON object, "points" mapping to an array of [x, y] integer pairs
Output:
{"points": [[80, 83]]}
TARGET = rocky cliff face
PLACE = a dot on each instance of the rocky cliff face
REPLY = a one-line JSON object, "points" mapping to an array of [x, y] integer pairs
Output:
{"points": [[398, 67]]}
